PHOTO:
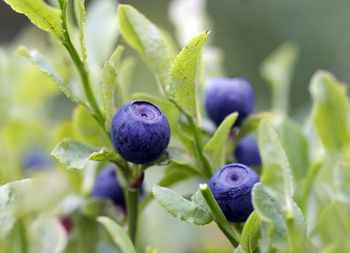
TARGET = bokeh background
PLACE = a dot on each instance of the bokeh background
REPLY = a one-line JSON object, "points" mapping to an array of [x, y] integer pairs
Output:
{"points": [[249, 30]]}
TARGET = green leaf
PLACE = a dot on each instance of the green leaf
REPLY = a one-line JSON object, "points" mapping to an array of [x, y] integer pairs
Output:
{"points": [[296, 147], [146, 38], [253, 121], [183, 88], [40, 14], [87, 130], [277, 70], [120, 238], [109, 75], [46, 234], [251, 233], [216, 146], [75, 155], [179, 207], [270, 211], [125, 74], [100, 43], [9, 195], [330, 110], [48, 68], [80, 13], [276, 176]]}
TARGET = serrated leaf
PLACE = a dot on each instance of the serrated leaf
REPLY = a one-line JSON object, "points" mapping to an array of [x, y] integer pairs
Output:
{"points": [[146, 38], [276, 176], [251, 233], [199, 200], [182, 85], [75, 155], [295, 146], [48, 68], [40, 14], [270, 211], [120, 238], [100, 42], [216, 146], [9, 195], [80, 13], [46, 234], [109, 75], [277, 70], [179, 207], [330, 110]]}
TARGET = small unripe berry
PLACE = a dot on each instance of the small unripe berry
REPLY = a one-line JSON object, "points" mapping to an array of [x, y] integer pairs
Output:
{"points": [[247, 151], [231, 186], [107, 186], [227, 95], [140, 131]]}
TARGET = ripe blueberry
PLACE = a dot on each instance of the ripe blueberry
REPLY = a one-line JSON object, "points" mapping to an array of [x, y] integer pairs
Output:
{"points": [[247, 151], [231, 186], [140, 131], [228, 95], [107, 186]]}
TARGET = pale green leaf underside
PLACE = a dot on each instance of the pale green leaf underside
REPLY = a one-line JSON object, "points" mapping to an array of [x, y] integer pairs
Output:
{"points": [[46, 234], [216, 147], [40, 14], [330, 110], [48, 68], [270, 211], [74, 155], [79, 6], [276, 176], [176, 205], [9, 194], [146, 38], [182, 85], [120, 238]]}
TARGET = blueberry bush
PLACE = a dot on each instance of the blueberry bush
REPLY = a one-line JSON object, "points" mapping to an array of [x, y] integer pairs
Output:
{"points": [[258, 181]]}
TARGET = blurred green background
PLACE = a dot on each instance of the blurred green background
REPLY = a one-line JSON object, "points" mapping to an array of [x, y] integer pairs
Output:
{"points": [[247, 31]]}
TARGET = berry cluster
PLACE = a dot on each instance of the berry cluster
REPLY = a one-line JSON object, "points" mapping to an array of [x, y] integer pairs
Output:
{"points": [[140, 133]]}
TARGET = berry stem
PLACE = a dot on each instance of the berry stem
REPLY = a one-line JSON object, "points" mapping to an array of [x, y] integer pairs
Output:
{"points": [[132, 209], [220, 218], [206, 167], [79, 64]]}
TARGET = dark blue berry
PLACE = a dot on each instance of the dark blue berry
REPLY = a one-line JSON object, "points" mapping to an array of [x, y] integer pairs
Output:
{"points": [[227, 95], [107, 186], [36, 159], [247, 151], [140, 131], [231, 186]]}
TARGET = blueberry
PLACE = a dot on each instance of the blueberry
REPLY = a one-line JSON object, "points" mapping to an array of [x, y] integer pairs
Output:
{"points": [[247, 151], [36, 159], [231, 186], [107, 186], [140, 131], [227, 95]]}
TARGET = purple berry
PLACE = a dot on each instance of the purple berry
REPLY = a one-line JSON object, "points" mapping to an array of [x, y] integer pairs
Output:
{"points": [[140, 131], [107, 186], [227, 95], [247, 151], [231, 186]]}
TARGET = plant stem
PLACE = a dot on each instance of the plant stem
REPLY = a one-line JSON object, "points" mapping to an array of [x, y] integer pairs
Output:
{"points": [[199, 147], [132, 210], [220, 218], [79, 64]]}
